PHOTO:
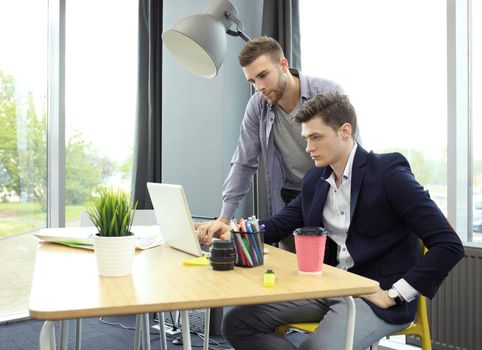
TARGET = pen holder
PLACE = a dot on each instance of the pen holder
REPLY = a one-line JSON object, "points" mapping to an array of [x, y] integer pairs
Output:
{"points": [[248, 247]]}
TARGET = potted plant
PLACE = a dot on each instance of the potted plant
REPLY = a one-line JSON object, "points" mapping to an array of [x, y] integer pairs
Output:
{"points": [[114, 244]]}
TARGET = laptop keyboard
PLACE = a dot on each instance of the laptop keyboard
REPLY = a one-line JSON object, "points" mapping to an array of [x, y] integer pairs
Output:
{"points": [[204, 247], [196, 218]]}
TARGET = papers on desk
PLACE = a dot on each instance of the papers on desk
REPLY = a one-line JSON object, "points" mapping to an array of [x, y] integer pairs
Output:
{"points": [[83, 237]]}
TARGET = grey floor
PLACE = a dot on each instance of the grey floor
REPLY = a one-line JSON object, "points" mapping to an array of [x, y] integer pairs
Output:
{"points": [[106, 333]]}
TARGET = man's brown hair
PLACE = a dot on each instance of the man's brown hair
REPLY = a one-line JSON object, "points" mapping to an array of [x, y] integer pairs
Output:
{"points": [[333, 108], [263, 45]]}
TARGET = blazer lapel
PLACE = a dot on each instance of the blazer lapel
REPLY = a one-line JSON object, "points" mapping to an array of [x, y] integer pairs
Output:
{"points": [[357, 176], [319, 199]]}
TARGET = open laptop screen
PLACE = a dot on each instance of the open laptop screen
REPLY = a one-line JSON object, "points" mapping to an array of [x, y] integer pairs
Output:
{"points": [[174, 217]]}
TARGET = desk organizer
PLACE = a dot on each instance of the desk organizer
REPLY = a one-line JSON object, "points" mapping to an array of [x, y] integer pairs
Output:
{"points": [[248, 248]]}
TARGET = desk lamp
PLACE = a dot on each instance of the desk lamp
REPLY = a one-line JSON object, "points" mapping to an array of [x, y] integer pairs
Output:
{"points": [[199, 42]]}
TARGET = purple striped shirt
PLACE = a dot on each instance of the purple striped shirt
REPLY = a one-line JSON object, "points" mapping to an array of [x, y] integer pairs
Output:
{"points": [[256, 141]]}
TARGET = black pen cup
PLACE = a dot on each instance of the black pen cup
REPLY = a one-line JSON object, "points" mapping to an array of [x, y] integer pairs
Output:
{"points": [[249, 248], [222, 255]]}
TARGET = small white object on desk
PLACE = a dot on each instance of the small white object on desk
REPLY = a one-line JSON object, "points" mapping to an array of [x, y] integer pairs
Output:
{"points": [[83, 237]]}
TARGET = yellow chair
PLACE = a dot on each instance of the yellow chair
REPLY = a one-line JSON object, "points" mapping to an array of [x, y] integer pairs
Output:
{"points": [[418, 327]]}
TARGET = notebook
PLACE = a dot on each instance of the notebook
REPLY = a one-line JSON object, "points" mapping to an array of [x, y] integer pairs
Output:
{"points": [[83, 237], [174, 217]]}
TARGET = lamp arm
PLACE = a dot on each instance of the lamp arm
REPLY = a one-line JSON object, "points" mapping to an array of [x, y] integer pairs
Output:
{"points": [[239, 31]]}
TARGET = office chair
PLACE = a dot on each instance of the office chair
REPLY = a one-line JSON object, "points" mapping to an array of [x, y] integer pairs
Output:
{"points": [[419, 326]]}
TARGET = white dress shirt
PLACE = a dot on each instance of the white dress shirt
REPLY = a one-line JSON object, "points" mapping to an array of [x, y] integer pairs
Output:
{"points": [[336, 218]]}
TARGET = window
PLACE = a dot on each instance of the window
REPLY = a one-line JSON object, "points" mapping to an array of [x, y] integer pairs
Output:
{"points": [[101, 68], [23, 91], [391, 59]]}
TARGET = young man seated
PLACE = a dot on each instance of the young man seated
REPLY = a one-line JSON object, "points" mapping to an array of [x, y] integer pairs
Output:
{"points": [[375, 212]]}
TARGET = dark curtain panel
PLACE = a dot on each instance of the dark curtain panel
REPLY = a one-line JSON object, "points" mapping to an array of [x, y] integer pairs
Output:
{"points": [[147, 144], [281, 21]]}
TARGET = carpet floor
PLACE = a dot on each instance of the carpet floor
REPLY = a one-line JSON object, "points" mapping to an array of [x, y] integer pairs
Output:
{"points": [[106, 333]]}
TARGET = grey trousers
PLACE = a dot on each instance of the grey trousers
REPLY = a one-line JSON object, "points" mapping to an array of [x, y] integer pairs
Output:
{"points": [[252, 327]]}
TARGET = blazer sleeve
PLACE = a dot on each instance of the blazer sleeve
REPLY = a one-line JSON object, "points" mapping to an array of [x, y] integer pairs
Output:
{"points": [[423, 217], [285, 222]]}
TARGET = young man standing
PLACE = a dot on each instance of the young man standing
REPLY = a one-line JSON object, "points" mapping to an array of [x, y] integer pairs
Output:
{"points": [[375, 213], [268, 130]]}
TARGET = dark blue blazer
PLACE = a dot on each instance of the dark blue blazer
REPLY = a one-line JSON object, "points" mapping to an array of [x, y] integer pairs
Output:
{"points": [[389, 212]]}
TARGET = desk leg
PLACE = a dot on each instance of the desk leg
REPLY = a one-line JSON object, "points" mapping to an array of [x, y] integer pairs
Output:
{"points": [[186, 334], [47, 336], [78, 334], [137, 336], [350, 324], [207, 317], [162, 331], [146, 339], [64, 334]]}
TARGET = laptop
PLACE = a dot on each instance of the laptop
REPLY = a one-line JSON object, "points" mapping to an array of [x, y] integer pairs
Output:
{"points": [[174, 217]]}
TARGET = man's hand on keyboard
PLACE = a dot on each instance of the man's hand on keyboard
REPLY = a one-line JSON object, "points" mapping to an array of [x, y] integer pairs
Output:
{"points": [[208, 230]]}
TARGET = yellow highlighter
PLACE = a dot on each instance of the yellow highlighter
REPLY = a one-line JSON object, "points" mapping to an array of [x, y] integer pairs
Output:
{"points": [[269, 279], [200, 261]]}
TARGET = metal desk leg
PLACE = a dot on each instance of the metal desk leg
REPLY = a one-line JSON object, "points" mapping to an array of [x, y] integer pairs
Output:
{"points": [[137, 337], [78, 333], [186, 334], [47, 336], [146, 339], [64, 334], [350, 323], [162, 331], [207, 317]]}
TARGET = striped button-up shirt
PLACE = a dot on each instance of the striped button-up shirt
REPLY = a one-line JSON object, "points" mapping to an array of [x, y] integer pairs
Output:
{"points": [[256, 140]]}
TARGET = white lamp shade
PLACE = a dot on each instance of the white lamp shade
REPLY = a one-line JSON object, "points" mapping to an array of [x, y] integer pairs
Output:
{"points": [[199, 43]]}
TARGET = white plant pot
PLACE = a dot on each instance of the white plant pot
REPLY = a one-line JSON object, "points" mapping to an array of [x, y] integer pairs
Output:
{"points": [[114, 255]]}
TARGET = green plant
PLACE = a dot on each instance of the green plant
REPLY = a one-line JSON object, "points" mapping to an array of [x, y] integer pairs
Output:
{"points": [[112, 213]]}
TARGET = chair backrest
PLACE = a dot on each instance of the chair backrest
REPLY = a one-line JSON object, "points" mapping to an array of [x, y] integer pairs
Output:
{"points": [[141, 217]]}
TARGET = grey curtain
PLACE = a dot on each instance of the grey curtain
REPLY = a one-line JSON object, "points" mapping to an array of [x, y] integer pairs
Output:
{"points": [[281, 21], [147, 157]]}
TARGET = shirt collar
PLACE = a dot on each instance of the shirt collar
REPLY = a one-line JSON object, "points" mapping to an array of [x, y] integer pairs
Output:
{"points": [[349, 164], [304, 93], [348, 168]]}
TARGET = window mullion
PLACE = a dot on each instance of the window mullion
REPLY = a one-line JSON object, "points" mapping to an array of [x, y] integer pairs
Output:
{"points": [[458, 155], [56, 115]]}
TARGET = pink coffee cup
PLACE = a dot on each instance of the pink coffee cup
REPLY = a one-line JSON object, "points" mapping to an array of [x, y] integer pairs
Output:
{"points": [[310, 249]]}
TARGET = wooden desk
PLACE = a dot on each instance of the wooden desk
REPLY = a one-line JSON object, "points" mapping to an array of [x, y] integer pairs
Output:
{"points": [[66, 285]]}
